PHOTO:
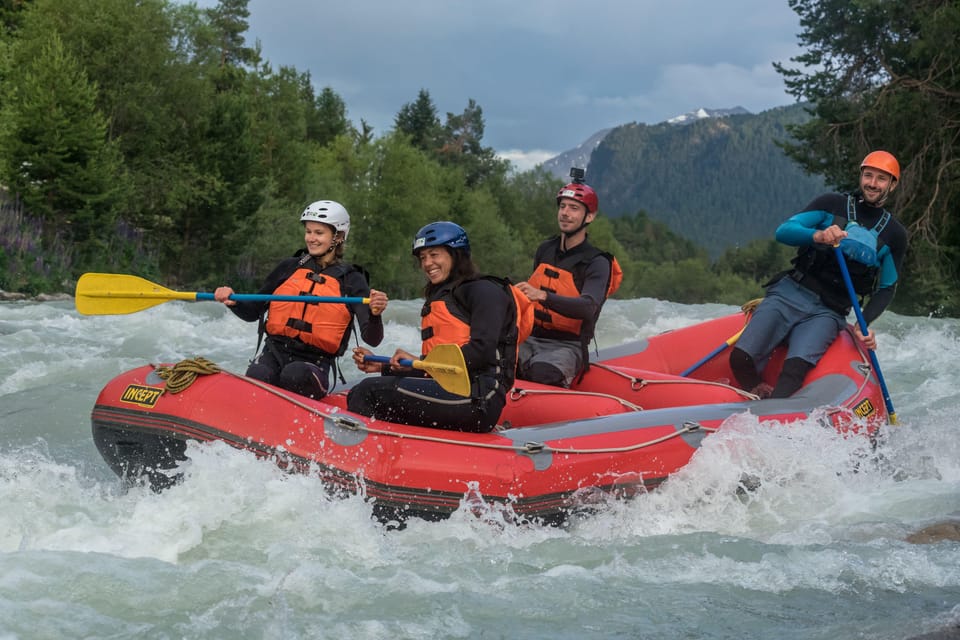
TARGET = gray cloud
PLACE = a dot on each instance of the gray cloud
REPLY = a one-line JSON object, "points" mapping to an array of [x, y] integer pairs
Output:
{"points": [[547, 74]]}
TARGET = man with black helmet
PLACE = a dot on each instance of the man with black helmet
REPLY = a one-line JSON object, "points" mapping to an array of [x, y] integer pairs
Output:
{"points": [[807, 305], [571, 280]]}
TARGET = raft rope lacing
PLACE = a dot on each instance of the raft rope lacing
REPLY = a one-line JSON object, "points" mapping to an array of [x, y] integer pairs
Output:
{"points": [[637, 384], [181, 375], [528, 447], [516, 393], [865, 367], [184, 373]]}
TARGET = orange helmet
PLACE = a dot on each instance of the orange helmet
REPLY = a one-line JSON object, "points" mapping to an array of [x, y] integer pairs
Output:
{"points": [[884, 161]]}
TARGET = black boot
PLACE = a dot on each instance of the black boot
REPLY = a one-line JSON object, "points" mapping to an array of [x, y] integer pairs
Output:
{"points": [[791, 377], [744, 369]]}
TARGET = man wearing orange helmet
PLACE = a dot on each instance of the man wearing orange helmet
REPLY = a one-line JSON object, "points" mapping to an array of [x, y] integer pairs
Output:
{"points": [[571, 280], [806, 306]]}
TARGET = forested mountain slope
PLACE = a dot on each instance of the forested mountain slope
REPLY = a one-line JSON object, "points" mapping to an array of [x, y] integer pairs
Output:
{"points": [[720, 182]]}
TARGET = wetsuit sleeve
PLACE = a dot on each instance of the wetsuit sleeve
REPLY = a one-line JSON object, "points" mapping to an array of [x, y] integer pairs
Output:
{"points": [[250, 311], [891, 262], [489, 311], [878, 302], [798, 229], [587, 305], [371, 326]]}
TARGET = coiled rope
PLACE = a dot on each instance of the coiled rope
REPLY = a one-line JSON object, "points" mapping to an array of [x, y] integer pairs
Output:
{"points": [[181, 375]]}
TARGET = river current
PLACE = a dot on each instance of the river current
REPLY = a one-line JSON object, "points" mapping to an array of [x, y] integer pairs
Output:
{"points": [[244, 550]]}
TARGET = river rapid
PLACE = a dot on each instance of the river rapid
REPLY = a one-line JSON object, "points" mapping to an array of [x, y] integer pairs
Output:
{"points": [[243, 550]]}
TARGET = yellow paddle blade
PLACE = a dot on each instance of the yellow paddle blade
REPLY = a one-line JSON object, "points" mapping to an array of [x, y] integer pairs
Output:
{"points": [[446, 365], [114, 293]]}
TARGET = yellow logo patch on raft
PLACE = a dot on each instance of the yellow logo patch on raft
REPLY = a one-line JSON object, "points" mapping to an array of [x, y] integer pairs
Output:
{"points": [[141, 395], [864, 409]]}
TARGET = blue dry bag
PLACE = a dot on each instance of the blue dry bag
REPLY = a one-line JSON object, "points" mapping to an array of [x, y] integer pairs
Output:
{"points": [[860, 244]]}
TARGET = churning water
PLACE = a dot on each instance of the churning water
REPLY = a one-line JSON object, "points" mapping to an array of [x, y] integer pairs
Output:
{"points": [[243, 550]]}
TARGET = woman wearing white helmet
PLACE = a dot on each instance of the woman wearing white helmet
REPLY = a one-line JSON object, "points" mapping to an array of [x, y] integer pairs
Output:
{"points": [[304, 340]]}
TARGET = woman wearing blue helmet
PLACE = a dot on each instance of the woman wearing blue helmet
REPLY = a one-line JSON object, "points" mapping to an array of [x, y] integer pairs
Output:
{"points": [[461, 307]]}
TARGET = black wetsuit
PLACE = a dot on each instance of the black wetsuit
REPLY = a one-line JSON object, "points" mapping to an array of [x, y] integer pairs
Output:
{"points": [[489, 355]]}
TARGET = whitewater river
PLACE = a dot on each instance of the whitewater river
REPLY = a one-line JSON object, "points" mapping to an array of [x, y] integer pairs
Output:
{"points": [[242, 550]]}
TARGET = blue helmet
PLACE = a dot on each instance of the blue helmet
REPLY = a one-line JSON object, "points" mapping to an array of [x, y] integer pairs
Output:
{"points": [[435, 234]]}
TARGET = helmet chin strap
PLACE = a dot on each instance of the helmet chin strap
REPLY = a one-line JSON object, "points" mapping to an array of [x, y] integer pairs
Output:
{"points": [[337, 241], [331, 249], [886, 194], [569, 234], [881, 200]]}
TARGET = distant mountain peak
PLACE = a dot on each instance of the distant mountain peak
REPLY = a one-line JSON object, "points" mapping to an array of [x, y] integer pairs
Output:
{"points": [[580, 156], [701, 113]]}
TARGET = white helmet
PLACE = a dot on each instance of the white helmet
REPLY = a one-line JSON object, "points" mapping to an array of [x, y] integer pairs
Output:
{"points": [[328, 212]]}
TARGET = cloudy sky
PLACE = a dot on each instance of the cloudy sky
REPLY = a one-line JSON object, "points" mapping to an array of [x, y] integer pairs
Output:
{"points": [[546, 74]]}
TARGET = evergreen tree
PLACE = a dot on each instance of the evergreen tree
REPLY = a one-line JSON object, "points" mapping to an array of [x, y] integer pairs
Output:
{"points": [[461, 146], [10, 16], [419, 120], [229, 19], [281, 106], [528, 201], [56, 155], [328, 119]]}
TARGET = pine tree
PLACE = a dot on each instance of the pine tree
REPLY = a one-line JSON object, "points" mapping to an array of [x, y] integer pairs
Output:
{"points": [[419, 120], [461, 146], [56, 155], [328, 118]]}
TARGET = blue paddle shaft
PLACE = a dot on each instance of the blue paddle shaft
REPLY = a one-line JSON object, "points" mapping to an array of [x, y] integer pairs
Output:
{"points": [[699, 363], [269, 297], [855, 302], [404, 361]]}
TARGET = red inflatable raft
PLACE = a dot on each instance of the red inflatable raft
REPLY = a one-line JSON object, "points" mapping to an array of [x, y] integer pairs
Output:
{"points": [[626, 426]]}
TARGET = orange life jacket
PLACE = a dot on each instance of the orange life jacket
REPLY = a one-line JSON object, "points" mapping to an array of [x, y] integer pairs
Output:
{"points": [[441, 324], [525, 308], [445, 319], [564, 276], [322, 326]]}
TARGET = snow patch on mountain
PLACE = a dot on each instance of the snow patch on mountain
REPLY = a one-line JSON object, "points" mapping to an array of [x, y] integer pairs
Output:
{"points": [[579, 156], [701, 113]]}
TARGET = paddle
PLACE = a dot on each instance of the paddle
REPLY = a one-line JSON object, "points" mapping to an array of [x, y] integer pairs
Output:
{"points": [[891, 413], [747, 308], [444, 363], [113, 293], [702, 361]]}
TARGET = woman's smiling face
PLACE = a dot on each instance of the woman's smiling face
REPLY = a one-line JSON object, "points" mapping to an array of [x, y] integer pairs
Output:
{"points": [[436, 263], [318, 237]]}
